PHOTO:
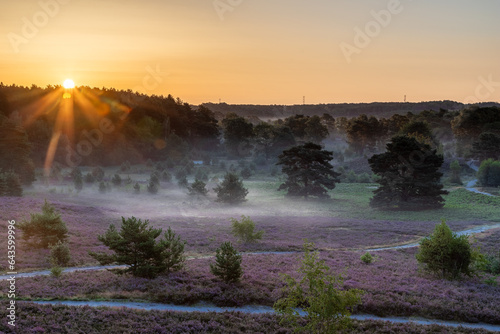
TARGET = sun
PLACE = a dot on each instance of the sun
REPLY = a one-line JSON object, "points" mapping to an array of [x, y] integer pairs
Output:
{"points": [[69, 84]]}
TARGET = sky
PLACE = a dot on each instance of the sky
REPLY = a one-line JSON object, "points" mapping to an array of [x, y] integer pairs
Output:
{"points": [[258, 51]]}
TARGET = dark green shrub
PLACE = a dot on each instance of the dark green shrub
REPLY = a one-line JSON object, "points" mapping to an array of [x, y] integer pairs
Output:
{"points": [[60, 254], [367, 258], [116, 180], [447, 254], [320, 295], [44, 229], [155, 178], [227, 264], [56, 271], [244, 229], [102, 187], [137, 188], [493, 264], [198, 187], [489, 173], [152, 187]]}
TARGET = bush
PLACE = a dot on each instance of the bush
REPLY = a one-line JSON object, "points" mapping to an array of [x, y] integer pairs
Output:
{"points": [[10, 185], [198, 188], [367, 258], [244, 230], [489, 173], [231, 190], [227, 263], [98, 174], [183, 183], [351, 177], [152, 186], [137, 188], [155, 178], [493, 264], [116, 180], [44, 229], [60, 254], [56, 271], [447, 254], [320, 295], [364, 178], [102, 187]]}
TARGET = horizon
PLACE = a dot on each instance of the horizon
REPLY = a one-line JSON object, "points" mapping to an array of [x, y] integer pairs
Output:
{"points": [[259, 53]]}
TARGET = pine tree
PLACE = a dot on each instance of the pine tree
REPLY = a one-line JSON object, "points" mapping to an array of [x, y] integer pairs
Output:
{"points": [[227, 263], [231, 190], [44, 229], [173, 251], [134, 245], [308, 170], [197, 188], [409, 176]]}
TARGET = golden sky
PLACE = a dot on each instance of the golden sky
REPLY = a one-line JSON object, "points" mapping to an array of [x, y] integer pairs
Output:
{"points": [[258, 51]]}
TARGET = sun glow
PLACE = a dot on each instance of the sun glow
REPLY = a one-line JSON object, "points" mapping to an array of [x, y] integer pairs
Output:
{"points": [[69, 84]]}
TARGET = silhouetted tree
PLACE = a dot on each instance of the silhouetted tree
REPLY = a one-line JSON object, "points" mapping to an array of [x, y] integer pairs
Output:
{"points": [[308, 171], [409, 176], [487, 146], [237, 134]]}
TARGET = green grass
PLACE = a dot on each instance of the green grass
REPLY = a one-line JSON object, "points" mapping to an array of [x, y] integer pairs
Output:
{"points": [[351, 200]]}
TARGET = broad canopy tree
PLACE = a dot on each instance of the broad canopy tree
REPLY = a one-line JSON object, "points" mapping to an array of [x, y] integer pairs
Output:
{"points": [[409, 176], [308, 170]]}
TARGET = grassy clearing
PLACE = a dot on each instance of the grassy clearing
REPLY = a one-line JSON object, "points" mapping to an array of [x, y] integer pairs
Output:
{"points": [[351, 200]]}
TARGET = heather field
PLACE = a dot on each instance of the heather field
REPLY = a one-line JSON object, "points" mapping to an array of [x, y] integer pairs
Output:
{"points": [[342, 229], [87, 320]]}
